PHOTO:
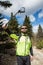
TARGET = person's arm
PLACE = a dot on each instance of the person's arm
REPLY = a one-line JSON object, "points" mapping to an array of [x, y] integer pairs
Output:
{"points": [[31, 53], [15, 37], [11, 35], [31, 50]]}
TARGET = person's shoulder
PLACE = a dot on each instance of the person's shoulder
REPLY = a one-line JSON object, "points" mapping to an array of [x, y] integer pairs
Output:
{"points": [[29, 39]]}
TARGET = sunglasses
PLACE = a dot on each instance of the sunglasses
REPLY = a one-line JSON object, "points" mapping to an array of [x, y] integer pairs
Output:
{"points": [[23, 28]]}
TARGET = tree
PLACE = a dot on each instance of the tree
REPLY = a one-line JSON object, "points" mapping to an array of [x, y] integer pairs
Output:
{"points": [[29, 26], [40, 32], [40, 37], [13, 24]]}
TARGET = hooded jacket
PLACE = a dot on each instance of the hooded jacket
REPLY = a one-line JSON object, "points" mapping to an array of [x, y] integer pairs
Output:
{"points": [[23, 45]]}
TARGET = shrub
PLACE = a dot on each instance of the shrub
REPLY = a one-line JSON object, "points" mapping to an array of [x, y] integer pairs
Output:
{"points": [[39, 44]]}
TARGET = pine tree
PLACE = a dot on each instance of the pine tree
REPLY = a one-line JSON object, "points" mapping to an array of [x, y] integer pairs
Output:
{"points": [[39, 38], [40, 32], [29, 26], [13, 24]]}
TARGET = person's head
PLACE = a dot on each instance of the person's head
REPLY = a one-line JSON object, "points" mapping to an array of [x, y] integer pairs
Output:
{"points": [[23, 28]]}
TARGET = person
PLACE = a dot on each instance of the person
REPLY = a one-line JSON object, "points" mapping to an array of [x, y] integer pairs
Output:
{"points": [[24, 51]]}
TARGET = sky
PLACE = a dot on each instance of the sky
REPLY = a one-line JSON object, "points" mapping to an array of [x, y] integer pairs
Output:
{"points": [[33, 9]]}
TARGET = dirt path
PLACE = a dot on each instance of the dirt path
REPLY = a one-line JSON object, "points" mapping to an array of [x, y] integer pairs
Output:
{"points": [[38, 57]]}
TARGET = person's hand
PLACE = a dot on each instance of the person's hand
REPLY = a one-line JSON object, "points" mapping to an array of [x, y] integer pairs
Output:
{"points": [[4, 26], [32, 57], [15, 41]]}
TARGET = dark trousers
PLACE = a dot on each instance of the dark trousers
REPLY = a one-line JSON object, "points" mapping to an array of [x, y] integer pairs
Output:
{"points": [[23, 60]]}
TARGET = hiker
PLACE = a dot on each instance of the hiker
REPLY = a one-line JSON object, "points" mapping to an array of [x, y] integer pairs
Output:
{"points": [[24, 51]]}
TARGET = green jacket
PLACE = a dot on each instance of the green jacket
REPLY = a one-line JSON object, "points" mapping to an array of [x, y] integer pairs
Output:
{"points": [[23, 44]]}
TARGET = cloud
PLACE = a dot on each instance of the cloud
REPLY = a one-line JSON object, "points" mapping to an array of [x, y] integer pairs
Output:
{"points": [[35, 28], [32, 18], [40, 15], [42, 26], [31, 6]]}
